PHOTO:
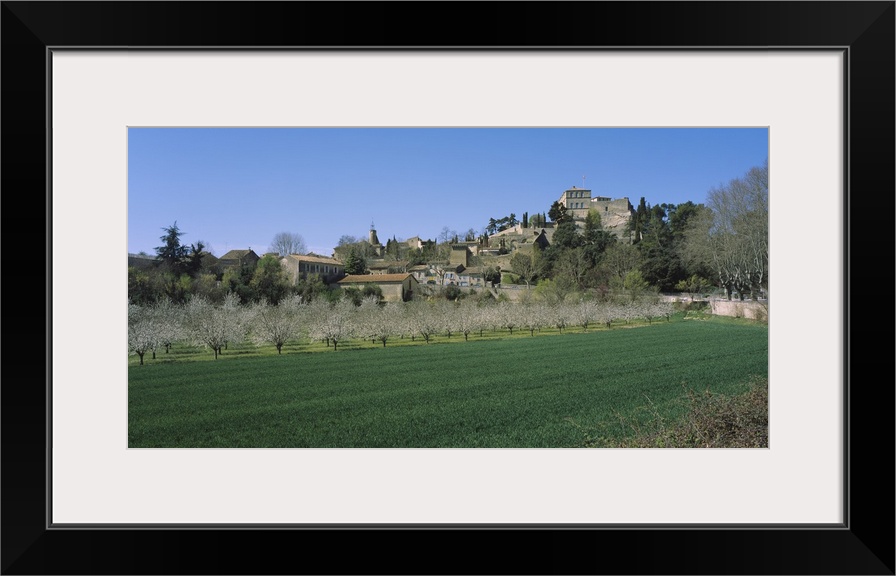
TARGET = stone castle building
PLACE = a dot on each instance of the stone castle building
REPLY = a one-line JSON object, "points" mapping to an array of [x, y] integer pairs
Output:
{"points": [[615, 214]]}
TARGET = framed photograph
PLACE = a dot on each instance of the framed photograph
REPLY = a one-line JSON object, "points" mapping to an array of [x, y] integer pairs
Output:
{"points": [[818, 76]]}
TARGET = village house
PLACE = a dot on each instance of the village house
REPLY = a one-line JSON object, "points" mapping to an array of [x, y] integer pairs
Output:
{"points": [[299, 266], [421, 272], [395, 287], [473, 277], [238, 259]]}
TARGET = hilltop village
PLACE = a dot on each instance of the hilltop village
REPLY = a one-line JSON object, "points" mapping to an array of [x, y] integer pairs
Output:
{"points": [[409, 266], [401, 269]]}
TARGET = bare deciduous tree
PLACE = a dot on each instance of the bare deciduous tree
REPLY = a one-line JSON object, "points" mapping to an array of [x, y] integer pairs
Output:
{"points": [[524, 266], [731, 235], [620, 259], [285, 243]]}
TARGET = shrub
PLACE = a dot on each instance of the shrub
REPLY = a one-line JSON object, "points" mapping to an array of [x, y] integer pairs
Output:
{"points": [[711, 421], [452, 292]]}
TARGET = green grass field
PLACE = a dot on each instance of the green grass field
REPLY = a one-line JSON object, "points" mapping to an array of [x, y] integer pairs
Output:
{"points": [[523, 392]]}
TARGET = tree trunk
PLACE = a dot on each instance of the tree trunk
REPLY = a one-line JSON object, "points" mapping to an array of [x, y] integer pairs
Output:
{"points": [[279, 346], [140, 354]]}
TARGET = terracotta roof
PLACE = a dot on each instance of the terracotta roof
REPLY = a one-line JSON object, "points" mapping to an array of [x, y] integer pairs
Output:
{"points": [[374, 278], [314, 259]]}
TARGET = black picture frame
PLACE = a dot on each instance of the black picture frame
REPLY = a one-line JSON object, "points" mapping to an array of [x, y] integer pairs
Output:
{"points": [[864, 544]]}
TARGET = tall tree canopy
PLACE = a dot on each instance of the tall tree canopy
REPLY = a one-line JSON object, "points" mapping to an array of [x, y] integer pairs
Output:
{"points": [[730, 237]]}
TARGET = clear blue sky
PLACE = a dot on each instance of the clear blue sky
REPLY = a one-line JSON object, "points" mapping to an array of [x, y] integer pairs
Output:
{"points": [[235, 188]]}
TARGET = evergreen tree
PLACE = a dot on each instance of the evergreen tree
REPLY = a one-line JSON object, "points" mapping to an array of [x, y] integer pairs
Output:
{"points": [[558, 213], [660, 263], [639, 220], [595, 238], [567, 236], [172, 254], [355, 263], [193, 262]]}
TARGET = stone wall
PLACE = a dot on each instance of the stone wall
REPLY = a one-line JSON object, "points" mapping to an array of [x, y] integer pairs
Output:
{"points": [[393, 291], [747, 309]]}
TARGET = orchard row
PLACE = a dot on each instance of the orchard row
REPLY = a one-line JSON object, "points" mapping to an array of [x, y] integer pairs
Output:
{"points": [[213, 326]]}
